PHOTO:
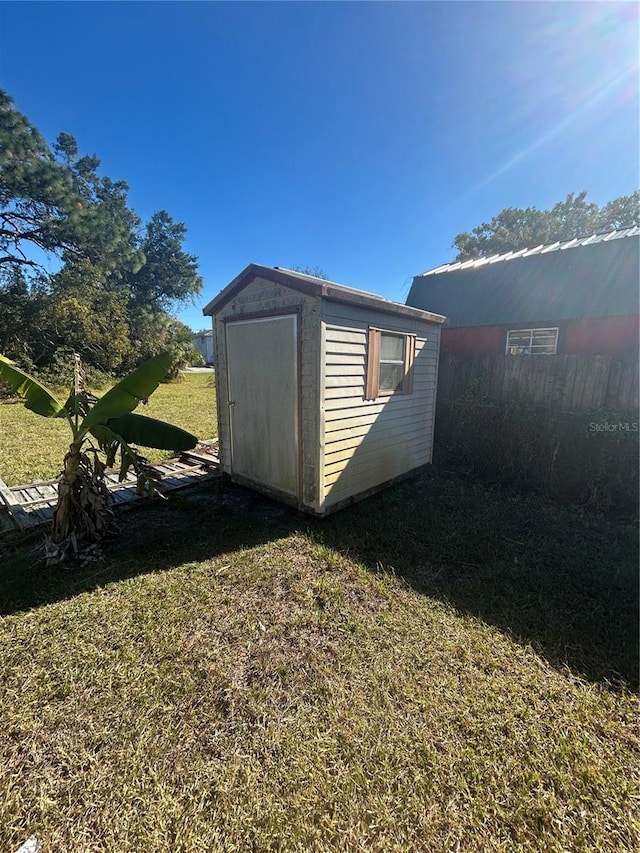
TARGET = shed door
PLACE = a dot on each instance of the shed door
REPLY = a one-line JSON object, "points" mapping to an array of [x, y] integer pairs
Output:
{"points": [[262, 369]]}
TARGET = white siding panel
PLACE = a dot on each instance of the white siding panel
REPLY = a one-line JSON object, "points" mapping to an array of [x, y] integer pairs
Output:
{"points": [[337, 371], [362, 424], [349, 380], [354, 385], [368, 442], [351, 482], [396, 401], [339, 360], [345, 336], [345, 392], [355, 351], [371, 459], [344, 449]]}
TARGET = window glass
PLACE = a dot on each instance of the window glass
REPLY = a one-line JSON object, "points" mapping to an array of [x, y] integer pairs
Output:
{"points": [[390, 359], [391, 362], [391, 347], [391, 376], [532, 342]]}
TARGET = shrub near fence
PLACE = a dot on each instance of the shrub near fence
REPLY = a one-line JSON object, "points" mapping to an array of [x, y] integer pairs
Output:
{"points": [[589, 458], [491, 423]]}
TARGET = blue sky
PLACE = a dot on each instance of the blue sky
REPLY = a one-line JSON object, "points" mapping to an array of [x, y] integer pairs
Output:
{"points": [[358, 137]]}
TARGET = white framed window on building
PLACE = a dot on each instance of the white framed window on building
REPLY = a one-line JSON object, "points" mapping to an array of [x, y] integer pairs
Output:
{"points": [[390, 357], [532, 342]]}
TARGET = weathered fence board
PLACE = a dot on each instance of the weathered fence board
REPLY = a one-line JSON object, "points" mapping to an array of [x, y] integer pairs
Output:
{"points": [[566, 382]]}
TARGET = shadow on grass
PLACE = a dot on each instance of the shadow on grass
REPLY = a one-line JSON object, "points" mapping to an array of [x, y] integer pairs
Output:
{"points": [[552, 577]]}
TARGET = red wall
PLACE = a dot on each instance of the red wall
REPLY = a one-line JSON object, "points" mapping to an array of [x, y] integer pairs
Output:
{"points": [[472, 339], [605, 336], [614, 336]]}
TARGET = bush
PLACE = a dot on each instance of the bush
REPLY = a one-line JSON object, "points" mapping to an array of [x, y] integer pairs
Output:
{"points": [[588, 458], [59, 372]]}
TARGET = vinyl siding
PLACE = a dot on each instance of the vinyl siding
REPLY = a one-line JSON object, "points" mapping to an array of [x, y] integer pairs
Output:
{"points": [[368, 442]]}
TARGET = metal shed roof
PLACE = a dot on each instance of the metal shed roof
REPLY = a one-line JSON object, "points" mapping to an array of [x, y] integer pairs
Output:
{"points": [[595, 276], [542, 249], [317, 287]]}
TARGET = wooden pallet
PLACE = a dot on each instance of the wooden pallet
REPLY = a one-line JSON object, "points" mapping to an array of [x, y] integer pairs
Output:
{"points": [[30, 505]]}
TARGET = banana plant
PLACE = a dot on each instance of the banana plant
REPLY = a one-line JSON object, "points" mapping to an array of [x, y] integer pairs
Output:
{"points": [[101, 430]]}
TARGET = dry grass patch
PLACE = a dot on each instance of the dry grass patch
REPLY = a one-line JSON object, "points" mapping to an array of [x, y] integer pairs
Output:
{"points": [[247, 686]]}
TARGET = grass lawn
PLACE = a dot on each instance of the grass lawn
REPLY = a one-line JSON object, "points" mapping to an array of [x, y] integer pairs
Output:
{"points": [[438, 668], [32, 447]]}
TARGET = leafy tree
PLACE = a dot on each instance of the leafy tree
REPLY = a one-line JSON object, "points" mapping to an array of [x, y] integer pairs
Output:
{"points": [[111, 298], [182, 347], [622, 212], [101, 430], [55, 201], [519, 228], [35, 191], [90, 316], [169, 275], [154, 331], [24, 311]]}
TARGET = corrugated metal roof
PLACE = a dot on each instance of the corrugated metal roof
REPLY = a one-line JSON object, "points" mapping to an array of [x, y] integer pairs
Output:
{"points": [[474, 263], [595, 276]]}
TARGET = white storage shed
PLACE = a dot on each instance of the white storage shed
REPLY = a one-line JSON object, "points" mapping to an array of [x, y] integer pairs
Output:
{"points": [[325, 393]]}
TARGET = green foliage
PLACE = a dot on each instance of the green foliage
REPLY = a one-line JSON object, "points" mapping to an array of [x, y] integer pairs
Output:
{"points": [[111, 297], [590, 458], [129, 392], [89, 314], [37, 398], [180, 344], [519, 228], [25, 310], [168, 274], [150, 432], [153, 331], [31, 447], [99, 427], [56, 202], [58, 373]]}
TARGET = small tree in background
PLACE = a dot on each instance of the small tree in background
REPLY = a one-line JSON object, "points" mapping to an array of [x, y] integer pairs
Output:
{"points": [[315, 271]]}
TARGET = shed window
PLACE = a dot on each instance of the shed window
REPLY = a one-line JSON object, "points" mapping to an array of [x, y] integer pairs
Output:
{"points": [[390, 358], [532, 342]]}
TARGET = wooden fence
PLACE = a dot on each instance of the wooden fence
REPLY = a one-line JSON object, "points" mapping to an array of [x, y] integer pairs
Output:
{"points": [[568, 382]]}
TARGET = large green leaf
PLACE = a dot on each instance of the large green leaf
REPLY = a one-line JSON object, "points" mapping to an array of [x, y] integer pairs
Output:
{"points": [[37, 398], [148, 432], [130, 391]]}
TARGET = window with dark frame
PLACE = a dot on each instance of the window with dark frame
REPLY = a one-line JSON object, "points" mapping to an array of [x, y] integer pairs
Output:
{"points": [[532, 342], [390, 357]]}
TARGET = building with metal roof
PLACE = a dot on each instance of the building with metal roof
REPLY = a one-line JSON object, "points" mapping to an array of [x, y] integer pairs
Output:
{"points": [[575, 296]]}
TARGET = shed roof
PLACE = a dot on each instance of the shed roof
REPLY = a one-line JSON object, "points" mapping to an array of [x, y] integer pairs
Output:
{"points": [[317, 287], [596, 276]]}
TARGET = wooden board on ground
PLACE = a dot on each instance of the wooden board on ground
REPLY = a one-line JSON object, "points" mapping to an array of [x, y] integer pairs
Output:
{"points": [[30, 505]]}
